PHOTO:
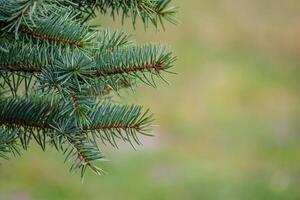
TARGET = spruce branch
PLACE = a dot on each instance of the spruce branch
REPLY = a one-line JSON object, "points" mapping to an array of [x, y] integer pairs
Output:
{"points": [[111, 122], [134, 62], [149, 11], [60, 29], [76, 71], [45, 22], [56, 70], [45, 124], [28, 113]]}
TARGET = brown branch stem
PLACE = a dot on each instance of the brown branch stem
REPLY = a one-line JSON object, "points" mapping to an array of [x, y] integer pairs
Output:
{"points": [[27, 123], [49, 38], [24, 123], [127, 70], [20, 68]]}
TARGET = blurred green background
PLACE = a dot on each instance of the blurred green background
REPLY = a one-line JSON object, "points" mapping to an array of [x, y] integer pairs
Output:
{"points": [[229, 121]]}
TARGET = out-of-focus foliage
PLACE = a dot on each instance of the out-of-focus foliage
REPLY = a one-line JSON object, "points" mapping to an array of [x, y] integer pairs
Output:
{"points": [[229, 121]]}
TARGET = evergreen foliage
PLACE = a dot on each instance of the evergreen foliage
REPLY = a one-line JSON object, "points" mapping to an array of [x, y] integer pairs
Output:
{"points": [[57, 74]]}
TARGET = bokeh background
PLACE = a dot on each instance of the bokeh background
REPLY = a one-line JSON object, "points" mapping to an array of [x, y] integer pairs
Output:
{"points": [[229, 121]]}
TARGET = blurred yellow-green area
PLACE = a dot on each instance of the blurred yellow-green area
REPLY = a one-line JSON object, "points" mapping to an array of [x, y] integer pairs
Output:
{"points": [[229, 121]]}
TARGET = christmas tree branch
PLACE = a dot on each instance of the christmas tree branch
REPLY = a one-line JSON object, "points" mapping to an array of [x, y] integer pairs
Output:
{"points": [[154, 11], [55, 71], [37, 114]]}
